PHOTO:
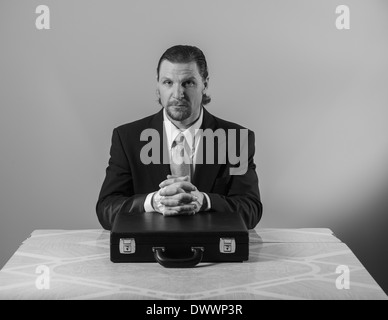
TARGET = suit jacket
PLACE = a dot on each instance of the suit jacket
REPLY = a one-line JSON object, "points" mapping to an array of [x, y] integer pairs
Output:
{"points": [[128, 180]]}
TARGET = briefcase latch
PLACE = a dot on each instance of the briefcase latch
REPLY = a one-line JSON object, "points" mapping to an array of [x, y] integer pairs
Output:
{"points": [[227, 245], [127, 246]]}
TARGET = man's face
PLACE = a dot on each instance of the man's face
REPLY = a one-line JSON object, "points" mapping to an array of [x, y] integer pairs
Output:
{"points": [[180, 89]]}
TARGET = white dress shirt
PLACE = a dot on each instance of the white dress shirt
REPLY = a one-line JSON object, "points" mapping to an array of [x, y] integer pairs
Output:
{"points": [[193, 137]]}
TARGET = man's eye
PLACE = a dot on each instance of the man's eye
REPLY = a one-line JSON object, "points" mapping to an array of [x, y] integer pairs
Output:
{"points": [[189, 83], [167, 82]]}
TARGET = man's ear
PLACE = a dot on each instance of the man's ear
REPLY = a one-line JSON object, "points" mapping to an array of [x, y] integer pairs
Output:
{"points": [[157, 93], [206, 84]]}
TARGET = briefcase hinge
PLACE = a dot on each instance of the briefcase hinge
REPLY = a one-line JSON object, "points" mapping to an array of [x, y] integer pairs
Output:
{"points": [[127, 246], [227, 245]]}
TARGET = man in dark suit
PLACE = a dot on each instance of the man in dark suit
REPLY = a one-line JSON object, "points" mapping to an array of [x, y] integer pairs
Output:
{"points": [[144, 179]]}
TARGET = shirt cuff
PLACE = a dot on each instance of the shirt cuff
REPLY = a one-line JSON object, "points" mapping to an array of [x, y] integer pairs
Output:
{"points": [[147, 203], [208, 202]]}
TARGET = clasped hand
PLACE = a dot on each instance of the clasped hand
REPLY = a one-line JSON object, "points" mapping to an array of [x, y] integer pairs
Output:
{"points": [[177, 196]]}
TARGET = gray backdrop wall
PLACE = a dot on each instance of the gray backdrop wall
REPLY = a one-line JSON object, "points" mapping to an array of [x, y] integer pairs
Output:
{"points": [[315, 96]]}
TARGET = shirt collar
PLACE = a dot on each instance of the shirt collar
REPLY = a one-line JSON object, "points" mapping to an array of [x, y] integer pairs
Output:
{"points": [[172, 131]]}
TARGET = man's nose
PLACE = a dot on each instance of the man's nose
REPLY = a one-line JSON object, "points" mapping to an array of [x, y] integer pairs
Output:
{"points": [[178, 92]]}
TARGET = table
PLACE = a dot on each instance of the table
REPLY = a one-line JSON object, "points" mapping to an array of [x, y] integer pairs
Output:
{"points": [[283, 264]]}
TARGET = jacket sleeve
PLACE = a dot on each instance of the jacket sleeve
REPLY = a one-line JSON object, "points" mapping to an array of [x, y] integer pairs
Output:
{"points": [[242, 194], [117, 191]]}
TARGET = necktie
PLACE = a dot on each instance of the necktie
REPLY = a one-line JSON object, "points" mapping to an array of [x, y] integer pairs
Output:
{"points": [[180, 160]]}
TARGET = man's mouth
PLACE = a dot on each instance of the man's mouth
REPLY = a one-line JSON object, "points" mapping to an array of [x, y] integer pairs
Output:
{"points": [[181, 104]]}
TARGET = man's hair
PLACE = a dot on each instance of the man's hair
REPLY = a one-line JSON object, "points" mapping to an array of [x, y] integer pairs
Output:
{"points": [[187, 54]]}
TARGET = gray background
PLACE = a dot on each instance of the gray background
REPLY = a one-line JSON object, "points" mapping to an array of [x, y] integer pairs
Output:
{"points": [[315, 96]]}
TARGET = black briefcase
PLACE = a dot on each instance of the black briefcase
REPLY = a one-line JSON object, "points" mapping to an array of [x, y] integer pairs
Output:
{"points": [[179, 241]]}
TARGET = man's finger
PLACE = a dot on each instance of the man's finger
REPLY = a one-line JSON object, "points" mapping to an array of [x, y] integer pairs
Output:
{"points": [[177, 187], [172, 179], [169, 212], [170, 190], [187, 185], [170, 202], [185, 208], [182, 209], [179, 199]]}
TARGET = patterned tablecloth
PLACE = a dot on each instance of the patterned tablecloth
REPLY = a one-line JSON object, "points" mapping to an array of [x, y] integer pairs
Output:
{"points": [[283, 264]]}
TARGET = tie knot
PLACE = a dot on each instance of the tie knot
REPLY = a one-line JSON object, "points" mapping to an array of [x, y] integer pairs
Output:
{"points": [[179, 139]]}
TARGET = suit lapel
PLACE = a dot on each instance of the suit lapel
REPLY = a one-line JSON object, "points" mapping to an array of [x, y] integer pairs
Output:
{"points": [[159, 172], [205, 174]]}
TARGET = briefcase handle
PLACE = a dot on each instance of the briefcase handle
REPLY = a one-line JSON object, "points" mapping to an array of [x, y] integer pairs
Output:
{"points": [[178, 263]]}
